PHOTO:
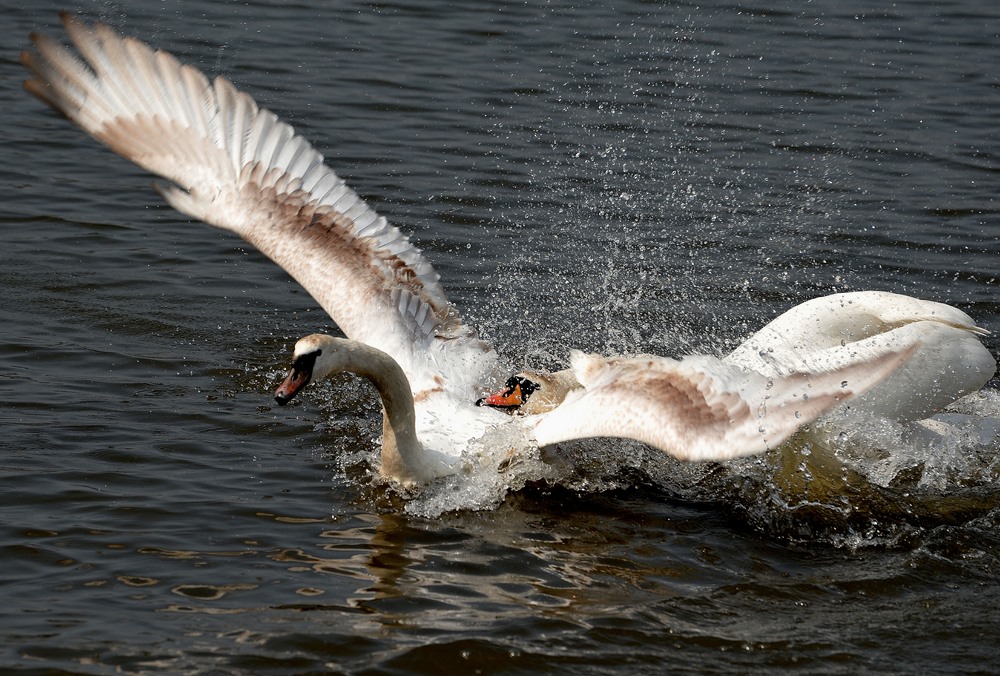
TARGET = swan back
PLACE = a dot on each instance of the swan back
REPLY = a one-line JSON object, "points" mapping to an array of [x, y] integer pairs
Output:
{"points": [[839, 319], [948, 361]]}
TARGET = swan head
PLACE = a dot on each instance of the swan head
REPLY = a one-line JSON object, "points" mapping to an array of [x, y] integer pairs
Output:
{"points": [[315, 357], [530, 392]]}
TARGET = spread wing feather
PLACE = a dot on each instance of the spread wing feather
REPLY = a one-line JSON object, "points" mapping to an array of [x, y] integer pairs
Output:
{"points": [[700, 408], [238, 167]]}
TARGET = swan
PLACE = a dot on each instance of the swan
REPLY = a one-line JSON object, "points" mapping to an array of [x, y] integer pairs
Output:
{"points": [[948, 361], [237, 167]]}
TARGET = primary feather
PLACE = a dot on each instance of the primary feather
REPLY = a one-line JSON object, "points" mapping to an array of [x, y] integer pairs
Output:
{"points": [[238, 167]]}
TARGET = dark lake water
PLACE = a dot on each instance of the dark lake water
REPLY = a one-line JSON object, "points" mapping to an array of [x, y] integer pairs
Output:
{"points": [[639, 177]]}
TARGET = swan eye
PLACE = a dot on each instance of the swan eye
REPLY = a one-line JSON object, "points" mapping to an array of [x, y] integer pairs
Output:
{"points": [[527, 387], [306, 362]]}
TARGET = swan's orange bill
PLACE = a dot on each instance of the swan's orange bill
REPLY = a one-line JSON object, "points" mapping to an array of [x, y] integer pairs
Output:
{"points": [[291, 385], [509, 398]]}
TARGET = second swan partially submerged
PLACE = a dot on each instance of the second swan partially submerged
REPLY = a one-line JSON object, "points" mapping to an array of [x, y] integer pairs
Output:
{"points": [[830, 332]]}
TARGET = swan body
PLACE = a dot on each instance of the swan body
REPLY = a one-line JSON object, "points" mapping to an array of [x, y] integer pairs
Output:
{"points": [[413, 450], [237, 167]]}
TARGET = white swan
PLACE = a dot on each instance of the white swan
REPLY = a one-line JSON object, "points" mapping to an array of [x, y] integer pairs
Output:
{"points": [[237, 167], [948, 360]]}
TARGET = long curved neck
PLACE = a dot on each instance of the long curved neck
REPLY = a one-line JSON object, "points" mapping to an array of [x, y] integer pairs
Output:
{"points": [[403, 458]]}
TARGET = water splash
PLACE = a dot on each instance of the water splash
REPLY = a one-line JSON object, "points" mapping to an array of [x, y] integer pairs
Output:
{"points": [[490, 470], [862, 481]]}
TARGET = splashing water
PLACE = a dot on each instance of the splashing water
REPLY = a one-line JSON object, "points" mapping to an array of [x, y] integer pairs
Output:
{"points": [[846, 480], [490, 470], [635, 224]]}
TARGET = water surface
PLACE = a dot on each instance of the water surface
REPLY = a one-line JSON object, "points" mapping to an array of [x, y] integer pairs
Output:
{"points": [[632, 178]]}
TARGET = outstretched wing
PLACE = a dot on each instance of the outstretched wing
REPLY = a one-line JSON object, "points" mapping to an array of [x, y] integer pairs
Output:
{"points": [[700, 408], [238, 167]]}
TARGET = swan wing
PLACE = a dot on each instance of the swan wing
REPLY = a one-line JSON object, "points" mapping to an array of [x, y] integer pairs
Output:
{"points": [[701, 408], [238, 167]]}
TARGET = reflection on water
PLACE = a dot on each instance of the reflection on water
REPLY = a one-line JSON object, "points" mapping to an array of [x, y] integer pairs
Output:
{"points": [[391, 589], [539, 581]]}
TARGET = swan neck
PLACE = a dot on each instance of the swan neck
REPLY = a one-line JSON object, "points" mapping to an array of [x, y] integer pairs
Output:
{"points": [[402, 454]]}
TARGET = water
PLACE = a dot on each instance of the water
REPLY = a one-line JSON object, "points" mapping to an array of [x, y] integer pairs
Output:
{"points": [[636, 178]]}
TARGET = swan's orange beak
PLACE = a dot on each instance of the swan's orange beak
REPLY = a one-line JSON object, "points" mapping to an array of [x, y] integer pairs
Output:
{"points": [[290, 386], [516, 391], [297, 378], [510, 398]]}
